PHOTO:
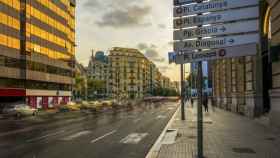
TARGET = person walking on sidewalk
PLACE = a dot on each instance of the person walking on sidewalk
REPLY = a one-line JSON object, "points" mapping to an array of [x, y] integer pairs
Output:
{"points": [[205, 102], [192, 102]]}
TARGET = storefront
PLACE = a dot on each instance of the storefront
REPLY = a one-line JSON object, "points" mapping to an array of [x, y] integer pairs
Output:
{"points": [[43, 99]]}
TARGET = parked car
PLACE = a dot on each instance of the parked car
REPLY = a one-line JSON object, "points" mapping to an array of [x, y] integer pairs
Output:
{"points": [[19, 110]]}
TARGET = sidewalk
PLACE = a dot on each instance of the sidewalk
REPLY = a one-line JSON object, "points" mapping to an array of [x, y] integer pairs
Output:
{"points": [[226, 135]]}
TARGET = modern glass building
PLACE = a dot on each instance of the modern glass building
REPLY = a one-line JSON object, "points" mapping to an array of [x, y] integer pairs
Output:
{"points": [[37, 48]]}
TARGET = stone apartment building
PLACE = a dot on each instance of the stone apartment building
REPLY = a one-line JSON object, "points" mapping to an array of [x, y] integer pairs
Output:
{"points": [[251, 85], [132, 75], [98, 70], [128, 69]]}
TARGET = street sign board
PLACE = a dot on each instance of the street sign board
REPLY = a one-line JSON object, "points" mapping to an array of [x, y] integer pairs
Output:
{"points": [[211, 43], [182, 2], [217, 17], [220, 29], [171, 57], [228, 52], [211, 6]]}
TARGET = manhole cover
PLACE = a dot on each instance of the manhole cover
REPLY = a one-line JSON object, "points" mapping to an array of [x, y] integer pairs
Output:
{"points": [[191, 137], [244, 150], [192, 127]]}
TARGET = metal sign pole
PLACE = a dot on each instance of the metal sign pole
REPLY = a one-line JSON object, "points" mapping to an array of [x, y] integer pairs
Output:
{"points": [[182, 90], [200, 113], [182, 93], [199, 106]]}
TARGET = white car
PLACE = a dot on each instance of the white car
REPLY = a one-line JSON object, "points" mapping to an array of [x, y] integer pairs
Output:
{"points": [[19, 110]]}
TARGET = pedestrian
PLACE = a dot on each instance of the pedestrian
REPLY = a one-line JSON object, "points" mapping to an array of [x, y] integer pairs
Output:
{"points": [[205, 102], [192, 102]]}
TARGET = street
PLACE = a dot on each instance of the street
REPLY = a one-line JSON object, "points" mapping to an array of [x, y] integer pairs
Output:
{"points": [[125, 134]]}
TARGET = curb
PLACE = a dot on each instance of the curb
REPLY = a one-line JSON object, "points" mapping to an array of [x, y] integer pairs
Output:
{"points": [[153, 152]]}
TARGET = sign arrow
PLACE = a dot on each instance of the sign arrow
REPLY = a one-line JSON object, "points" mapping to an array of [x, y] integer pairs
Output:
{"points": [[231, 41], [223, 29], [219, 29], [216, 42], [223, 53]]}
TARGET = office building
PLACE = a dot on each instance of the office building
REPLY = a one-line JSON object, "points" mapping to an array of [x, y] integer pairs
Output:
{"points": [[37, 48]]}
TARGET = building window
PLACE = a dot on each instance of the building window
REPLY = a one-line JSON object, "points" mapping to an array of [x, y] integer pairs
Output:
{"points": [[2, 61], [275, 53]]}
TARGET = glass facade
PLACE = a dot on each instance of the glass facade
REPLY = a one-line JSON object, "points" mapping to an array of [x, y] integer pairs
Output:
{"points": [[37, 36], [48, 22]]}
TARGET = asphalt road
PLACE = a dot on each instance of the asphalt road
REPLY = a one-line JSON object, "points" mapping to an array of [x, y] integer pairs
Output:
{"points": [[125, 134]]}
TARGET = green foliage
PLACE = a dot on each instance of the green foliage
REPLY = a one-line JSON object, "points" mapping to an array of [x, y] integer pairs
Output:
{"points": [[80, 87], [165, 92], [96, 88]]}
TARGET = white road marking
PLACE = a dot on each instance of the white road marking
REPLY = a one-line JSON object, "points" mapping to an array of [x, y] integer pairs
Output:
{"points": [[45, 136], [136, 120], [134, 138], [101, 137], [161, 117], [76, 135]]}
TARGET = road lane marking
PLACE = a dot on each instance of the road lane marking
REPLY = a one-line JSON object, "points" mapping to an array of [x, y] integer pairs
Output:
{"points": [[76, 135], [154, 150], [161, 117], [101, 137], [134, 138], [136, 120], [45, 136]]}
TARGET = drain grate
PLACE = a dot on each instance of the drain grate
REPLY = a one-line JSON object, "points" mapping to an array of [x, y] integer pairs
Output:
{"points": [[243, 150]]}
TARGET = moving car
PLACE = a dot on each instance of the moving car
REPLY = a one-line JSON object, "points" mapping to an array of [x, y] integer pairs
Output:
{"points": [[18, 110]]}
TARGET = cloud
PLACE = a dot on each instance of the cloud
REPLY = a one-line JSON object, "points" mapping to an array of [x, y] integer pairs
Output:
{"points": [[150, 51], [170, 43], [164, 69], [142, 46], [119, 13], [161, 26], [133, 16], [93, 5]]}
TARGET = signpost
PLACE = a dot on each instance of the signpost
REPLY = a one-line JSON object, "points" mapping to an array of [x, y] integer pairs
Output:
{"points": [[226, 28], [182, 2], [211, 43], [217, 17], [222, 53], [216, 30], [211, 6]]}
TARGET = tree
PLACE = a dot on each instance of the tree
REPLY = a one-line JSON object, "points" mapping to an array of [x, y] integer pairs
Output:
{"points": [[80, 87], [96, 88]]}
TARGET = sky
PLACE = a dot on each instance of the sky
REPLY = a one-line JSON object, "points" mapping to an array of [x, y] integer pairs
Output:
{"points": [[142, 24]]}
